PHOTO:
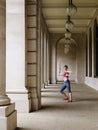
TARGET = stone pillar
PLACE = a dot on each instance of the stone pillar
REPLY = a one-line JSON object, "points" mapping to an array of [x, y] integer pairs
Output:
{"points": [[42, 55], [33, 52], [53, 61], [7, 110], [48, 60], [16, 55], [45, 57], [93, 53], [88, 56]]}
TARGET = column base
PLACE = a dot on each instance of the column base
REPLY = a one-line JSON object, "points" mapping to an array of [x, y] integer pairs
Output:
{"points": [[4, 100], [22, 101], [42, 85], [46, 83], [35, 105], [8, 117], [35, 100]]}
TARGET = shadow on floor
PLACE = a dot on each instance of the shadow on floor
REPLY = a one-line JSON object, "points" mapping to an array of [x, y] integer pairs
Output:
{"points": [[22, 129], [88, 99], [78, 104]]}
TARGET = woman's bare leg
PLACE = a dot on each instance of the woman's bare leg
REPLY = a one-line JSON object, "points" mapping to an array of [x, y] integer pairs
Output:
{"points": [[70, 96], [64, 94]]}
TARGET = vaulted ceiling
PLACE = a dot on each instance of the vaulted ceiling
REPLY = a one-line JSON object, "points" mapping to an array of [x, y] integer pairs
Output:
{"points": [[54, 13]]}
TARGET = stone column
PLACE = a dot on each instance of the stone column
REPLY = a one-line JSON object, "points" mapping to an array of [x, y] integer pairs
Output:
{"points": [[4, 100], [7, 110], [48, 60], [88, 57], [53, 60], [33, 52], [42, 55], [93, 53], [16, 55], [45, 57]]}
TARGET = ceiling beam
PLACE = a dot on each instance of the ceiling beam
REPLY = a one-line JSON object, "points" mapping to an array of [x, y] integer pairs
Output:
{"points": [[59, 28], [60, 5], [61, 31], [65, 18], [75, 26]]}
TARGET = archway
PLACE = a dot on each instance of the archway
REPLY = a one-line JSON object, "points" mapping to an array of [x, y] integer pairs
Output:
{"points": [[68, 57]]}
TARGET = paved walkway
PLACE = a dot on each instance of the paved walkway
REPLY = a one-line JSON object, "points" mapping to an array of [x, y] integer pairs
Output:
{"points": [[57, 114]]}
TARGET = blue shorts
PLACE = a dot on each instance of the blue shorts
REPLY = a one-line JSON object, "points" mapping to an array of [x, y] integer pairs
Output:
{"points": [[66, 85]]}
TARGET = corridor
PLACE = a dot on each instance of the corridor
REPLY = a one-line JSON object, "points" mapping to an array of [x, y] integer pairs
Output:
{"points": [[37, 39], [57, 114]]}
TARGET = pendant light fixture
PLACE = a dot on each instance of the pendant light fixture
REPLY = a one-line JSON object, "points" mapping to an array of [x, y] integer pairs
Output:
{"points": [[69, 24], [67, 34], [71, 9], [67, 40]]}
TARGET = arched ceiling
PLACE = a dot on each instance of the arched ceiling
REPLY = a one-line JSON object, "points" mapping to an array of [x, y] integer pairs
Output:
{"points": [[54, 13]]}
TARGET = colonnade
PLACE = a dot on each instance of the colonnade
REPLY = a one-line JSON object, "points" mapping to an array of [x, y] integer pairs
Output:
{"points": [[24, 59]]}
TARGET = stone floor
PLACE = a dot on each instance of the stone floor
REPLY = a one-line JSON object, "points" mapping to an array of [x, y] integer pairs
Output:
{"points": [[57, 114]]}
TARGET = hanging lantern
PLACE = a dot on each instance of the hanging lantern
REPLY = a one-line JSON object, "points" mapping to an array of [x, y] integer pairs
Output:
{"points": [[69, 24], [71, 9], [67, 34], [67, 40]]}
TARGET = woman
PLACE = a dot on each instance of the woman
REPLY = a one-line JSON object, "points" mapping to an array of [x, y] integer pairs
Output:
{"points": [[66, 84]]}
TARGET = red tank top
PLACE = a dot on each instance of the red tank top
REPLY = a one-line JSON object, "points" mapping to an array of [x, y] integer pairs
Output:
{"points": [[65, 74]]}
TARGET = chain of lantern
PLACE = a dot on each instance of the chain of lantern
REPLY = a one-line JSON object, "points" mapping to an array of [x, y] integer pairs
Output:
{"points": [[71, 10]]}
